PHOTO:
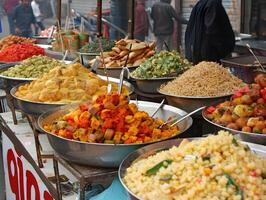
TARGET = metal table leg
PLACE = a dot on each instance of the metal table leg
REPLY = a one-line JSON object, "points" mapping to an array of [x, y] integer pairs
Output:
{"points": [[10, 103], [56, 172], [36, 139], [82, 189]]}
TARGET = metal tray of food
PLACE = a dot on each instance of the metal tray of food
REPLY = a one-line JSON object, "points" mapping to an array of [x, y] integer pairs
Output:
{"points": [[37, 108], [150, 85], [103, 155], [190, 103], [152, 149], [245, 136], [18, 79]]}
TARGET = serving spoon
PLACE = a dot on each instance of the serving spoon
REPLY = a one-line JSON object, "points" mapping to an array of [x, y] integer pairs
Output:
{"points": [[109, 85], [177, 120], [256, 58], [157, 109], [120, 86]]}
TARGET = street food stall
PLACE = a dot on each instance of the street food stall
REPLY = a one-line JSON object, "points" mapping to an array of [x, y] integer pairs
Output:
{"points": [[132, 123]]}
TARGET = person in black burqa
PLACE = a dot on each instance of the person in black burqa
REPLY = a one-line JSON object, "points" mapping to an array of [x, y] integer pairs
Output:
{"points": [[209, 34]]}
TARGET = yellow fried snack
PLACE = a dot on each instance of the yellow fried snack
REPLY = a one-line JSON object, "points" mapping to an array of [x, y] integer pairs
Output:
{"points": [[70, 84]]}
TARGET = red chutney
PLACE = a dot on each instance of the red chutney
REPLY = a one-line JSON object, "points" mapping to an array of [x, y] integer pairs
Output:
{"points": [[19, 52]]}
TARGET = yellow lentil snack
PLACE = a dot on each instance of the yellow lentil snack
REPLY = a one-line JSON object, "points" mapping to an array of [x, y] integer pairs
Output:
{"points": [[214, 168]]}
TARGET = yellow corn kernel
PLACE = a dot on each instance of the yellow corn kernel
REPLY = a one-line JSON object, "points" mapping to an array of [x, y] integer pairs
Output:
{"points": [[207, 171]]}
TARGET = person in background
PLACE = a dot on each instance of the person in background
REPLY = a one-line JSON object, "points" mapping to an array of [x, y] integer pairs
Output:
{"points": [[9, 6], [209, 34], [141, 26], [38, 16], [23, 19], [163, 14]]}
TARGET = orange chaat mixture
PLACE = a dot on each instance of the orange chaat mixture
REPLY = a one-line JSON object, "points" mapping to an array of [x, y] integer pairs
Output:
{"points": [[110, 119]]}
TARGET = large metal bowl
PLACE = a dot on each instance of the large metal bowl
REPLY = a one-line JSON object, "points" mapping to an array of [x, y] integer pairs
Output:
{"points": [[150, 85], [37, 108], [113, 71], [85, 58], [190, 103], [245, 136], [152, 149], [103, 155]]}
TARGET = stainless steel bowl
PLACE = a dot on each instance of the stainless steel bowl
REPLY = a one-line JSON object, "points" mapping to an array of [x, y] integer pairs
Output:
{"points": [[150, 85], [113, 71], [152, 149], [189, 103], [245, 136], [85, 58], [103, 155], [42, 39], [37, 108]]}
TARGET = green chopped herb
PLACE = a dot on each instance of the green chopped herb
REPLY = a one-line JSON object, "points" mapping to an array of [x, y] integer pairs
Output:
{"points": [[157, 167], [235, 142], [97, 117], [208, 158], [93, 47], [232, 182], [163, 64], [247, 148], [263, 175]]}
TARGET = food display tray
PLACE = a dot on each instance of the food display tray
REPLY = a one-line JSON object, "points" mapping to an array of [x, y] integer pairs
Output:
{"points": [[98, 154], [248, 137], [152, 149]]}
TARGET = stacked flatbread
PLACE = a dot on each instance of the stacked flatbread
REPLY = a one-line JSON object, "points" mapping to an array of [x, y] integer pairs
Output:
{"points": [[139, 52]]}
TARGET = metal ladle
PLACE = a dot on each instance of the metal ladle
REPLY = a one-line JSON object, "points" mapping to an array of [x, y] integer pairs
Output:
{"points": [[176, 121], [256, 58], [160, 105], [109, 85], [120, 86]]}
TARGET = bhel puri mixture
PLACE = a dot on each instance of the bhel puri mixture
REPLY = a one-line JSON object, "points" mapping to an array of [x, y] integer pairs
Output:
{"points": [[214, 168], [206, 79]]}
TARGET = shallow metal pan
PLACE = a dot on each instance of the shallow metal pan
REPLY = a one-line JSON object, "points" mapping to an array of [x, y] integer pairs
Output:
{"points": [[152, 149], [103, 155]]}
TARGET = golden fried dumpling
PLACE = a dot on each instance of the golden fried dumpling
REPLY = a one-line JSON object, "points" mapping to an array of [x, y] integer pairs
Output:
{"points": [[67, 84]]}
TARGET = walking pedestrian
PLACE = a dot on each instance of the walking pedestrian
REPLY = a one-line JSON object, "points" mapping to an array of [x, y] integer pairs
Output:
{"points": [[141, 26], [23, 19], [163, 14], [209, 35], [38, 16], [9, 6]]}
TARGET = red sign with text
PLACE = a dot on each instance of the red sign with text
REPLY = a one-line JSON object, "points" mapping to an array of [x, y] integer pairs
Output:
{"points": [[22, 182]]}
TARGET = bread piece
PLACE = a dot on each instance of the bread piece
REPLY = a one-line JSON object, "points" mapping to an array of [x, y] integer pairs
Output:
{"points": [[116, 49], [149, 54], [138, 62], [123, 53], [112, 53], [152, 45], [121, 42]]}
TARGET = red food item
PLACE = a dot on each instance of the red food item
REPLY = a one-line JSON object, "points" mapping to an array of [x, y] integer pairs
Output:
{"points": [[263, 93], [253, 173], [237, 95], [19, 52], [211, 109]]}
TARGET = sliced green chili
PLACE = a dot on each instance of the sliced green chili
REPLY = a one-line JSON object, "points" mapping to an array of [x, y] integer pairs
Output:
{"points": [[233, 183], [157, 167]]}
